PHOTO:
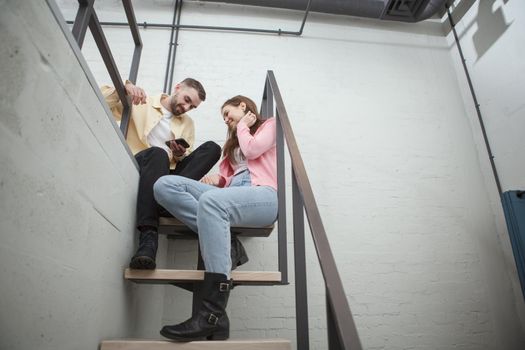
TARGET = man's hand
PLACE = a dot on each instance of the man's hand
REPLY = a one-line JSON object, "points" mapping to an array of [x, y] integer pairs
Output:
{"points": [[211, 179], [177, 149], [138, 96]]}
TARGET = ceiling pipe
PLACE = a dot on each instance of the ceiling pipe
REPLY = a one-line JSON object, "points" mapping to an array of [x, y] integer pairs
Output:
{"points": [[393, 10]]}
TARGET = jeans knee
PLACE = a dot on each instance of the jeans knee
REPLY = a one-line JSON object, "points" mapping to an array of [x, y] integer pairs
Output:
{"points": [[157, 154], [160, 188], [208, 204]]}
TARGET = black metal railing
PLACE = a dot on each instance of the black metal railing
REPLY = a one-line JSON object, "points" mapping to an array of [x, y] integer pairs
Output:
{"points": [[342, 332], [175, 26], [87, 17]]}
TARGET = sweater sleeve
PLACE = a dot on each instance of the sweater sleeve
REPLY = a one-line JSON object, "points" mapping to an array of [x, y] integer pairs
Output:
{"points": [[253, 146]]}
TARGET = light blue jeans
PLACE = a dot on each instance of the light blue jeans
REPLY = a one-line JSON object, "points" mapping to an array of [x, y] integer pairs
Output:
{"points": [[210, 211]]}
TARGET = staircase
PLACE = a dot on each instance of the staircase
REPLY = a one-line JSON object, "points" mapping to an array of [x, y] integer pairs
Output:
{"points": [[341, 329], [267, 344], [186, 279], [160, 276]]}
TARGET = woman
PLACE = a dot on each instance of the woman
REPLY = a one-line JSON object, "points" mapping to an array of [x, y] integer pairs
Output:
{"points": [[244, 193]]}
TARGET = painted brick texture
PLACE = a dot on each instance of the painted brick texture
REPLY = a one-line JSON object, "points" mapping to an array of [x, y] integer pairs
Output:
{"points": [[379, 117]]}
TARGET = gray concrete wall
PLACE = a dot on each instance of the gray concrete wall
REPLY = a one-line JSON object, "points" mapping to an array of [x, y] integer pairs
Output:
{"points": [[67, 189]]}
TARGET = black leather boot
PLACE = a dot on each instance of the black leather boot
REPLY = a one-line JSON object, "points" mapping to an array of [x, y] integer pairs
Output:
{"points": [[210, 321], [144, 258], [237, 252]]}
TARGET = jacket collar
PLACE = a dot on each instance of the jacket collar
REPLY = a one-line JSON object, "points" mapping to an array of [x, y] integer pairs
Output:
{"points": [[157, 105], [156, 101]]}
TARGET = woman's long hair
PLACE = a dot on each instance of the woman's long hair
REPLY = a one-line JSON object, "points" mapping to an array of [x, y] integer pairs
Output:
{"points": [[232, 142]]}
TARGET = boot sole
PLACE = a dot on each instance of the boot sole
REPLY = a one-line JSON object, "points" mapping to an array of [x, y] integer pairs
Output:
{"points": [[142, 263], [214, 336]]}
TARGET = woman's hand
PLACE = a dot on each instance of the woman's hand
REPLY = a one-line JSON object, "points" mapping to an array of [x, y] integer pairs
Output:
{"points": [[249, 119], [211, 179]]}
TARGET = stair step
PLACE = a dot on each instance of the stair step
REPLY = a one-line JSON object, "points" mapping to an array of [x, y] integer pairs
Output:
{"points": [[173, 228], [162, 276], [262, 344]]}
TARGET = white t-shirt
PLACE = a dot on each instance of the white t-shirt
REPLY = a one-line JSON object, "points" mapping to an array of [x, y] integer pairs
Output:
{"points": [[162, 132], [240, 163]]}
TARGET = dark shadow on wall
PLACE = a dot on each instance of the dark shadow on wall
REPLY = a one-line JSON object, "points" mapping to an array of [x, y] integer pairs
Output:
{"points": [[491, 26]]}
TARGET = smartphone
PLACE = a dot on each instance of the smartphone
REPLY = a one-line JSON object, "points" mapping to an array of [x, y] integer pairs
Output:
{"points": [[179, 141]]}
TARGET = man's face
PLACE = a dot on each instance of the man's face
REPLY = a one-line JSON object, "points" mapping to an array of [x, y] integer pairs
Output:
{"points": [[184, 99]]}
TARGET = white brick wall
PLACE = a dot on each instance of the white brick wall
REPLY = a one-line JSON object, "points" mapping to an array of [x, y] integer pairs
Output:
{"points": [[489, 34], [380, 120]]}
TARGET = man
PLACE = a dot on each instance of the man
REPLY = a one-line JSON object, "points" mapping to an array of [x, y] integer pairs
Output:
{"points": [[154, 121]]}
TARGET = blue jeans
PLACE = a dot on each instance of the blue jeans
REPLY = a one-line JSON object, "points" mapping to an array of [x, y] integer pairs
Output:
{"points": [[210, 211]]}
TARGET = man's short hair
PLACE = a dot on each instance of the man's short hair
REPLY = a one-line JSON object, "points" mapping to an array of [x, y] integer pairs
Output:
{"points": [[192, 83]]}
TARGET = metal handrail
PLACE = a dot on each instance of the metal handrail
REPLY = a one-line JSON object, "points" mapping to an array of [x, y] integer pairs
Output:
{"points": [[86, 17], [342, 332], [341, 327]]}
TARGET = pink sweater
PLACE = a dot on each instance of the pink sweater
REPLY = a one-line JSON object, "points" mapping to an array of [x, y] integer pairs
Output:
{"points": [[259, 150]]}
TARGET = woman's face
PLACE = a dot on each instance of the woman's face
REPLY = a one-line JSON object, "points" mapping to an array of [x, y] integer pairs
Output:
{"points": [[232, 114]]}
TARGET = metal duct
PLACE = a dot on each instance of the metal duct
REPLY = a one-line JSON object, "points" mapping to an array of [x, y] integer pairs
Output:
{"points": [[393, 10]]}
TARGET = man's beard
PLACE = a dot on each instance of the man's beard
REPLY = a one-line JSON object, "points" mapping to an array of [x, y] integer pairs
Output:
{"points": [[173, 105]]}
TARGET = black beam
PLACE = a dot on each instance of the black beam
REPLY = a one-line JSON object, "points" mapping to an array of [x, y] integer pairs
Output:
{"points": [[304, 18], [476, 104], [188, 26], [174, 44], [168, 65]]}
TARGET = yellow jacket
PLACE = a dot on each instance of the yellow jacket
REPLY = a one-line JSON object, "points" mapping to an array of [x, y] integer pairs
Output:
{"points": [[144, 118]]}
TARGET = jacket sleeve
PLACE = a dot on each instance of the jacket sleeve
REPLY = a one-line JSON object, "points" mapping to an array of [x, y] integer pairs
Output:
{"points": [[225, 172], [253, 146], [113, 100], [111, 96]]}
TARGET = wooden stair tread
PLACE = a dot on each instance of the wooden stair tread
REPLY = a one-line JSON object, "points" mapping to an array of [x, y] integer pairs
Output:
{"points": [[177, 276], [175, 229], [256, 344]]}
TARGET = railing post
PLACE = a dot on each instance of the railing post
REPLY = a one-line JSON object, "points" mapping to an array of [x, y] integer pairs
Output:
{"points": [[266, 112], [85, 9], [107, 57], [86, 17], [281, 197], [301, 295], [334, 343], [130, 14]]}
